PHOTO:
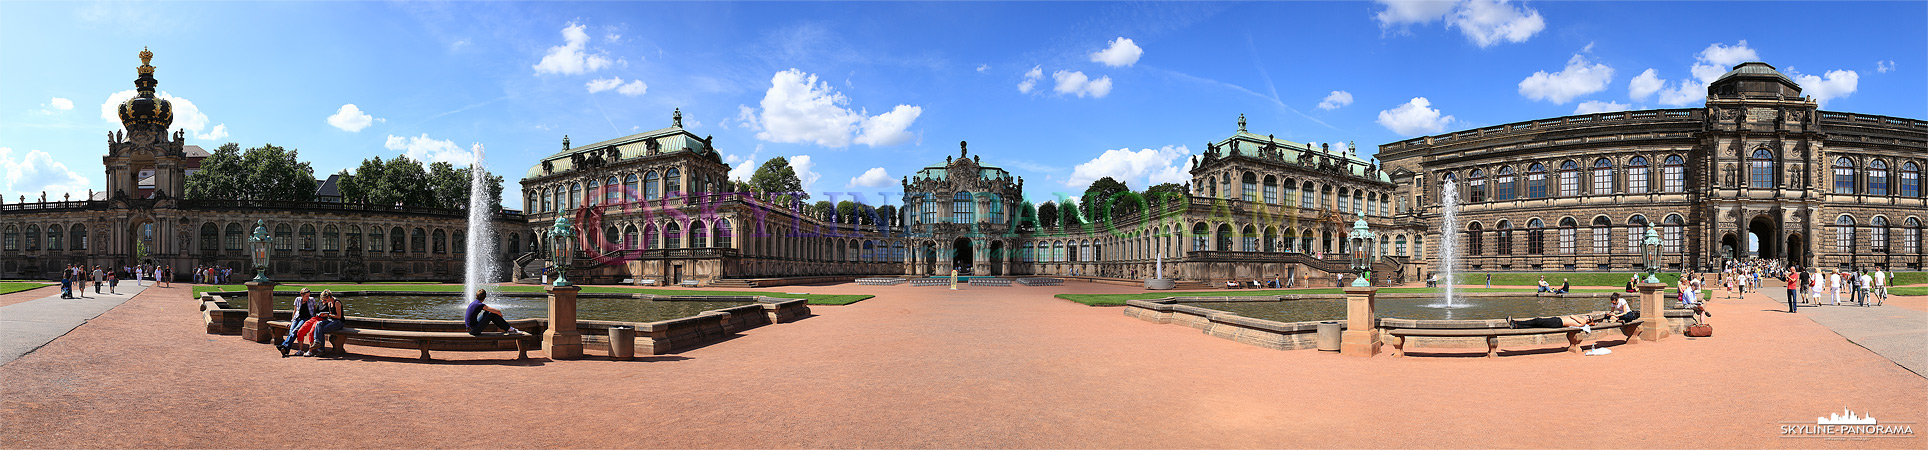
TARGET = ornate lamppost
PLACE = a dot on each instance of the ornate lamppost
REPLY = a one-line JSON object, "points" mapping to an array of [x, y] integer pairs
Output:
{"points": [[1363, 242], [560, 236], [260, 246], [1650, 253]]}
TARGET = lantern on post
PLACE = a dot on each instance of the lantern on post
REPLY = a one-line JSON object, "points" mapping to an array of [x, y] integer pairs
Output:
{"points": [[1362, 242], [260, 248], [1650, 253], [560, 236]]}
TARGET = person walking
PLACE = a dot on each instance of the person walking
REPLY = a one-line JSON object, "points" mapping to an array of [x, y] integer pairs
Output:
{"points": [[1863, 288], [1880, 286], [113, 281], [1489, 280], [100, 277], [1793, 292], [1817, 282]]}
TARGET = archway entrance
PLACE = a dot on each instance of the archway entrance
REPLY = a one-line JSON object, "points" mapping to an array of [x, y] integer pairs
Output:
{"points": [[961, 256], [1796, 250], [1729, 246], [929, 257], [1762, 242], [997, 258], [140, 245]]}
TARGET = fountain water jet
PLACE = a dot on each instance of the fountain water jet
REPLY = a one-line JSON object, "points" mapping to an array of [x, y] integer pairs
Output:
{"points": [[1449, 238], [479, 271]]}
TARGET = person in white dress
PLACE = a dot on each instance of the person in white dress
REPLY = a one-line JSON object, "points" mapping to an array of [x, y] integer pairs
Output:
{"points": [[1834, 287]]}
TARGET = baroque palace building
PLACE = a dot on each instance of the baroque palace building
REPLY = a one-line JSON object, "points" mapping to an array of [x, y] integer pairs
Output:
{"points": [[1759, 171], [140, 219]]}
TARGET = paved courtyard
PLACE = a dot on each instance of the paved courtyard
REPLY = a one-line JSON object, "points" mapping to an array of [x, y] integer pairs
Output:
{"points": [[927, 367]]}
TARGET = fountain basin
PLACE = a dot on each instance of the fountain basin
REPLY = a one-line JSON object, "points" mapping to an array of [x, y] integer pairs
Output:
{"points": [[1160, 284], [1290, 322]]}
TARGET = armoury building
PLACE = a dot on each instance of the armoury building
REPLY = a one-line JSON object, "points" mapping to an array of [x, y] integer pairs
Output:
{"points": [[140, 218], [1759, 171]]}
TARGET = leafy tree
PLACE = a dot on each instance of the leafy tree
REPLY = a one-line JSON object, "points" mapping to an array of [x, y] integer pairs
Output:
{"points": [[404, 182], [449, 186], [1165, 194], [1048, 215], [1027, 216], [268, 172], [887, 216], [1127, 202], [1100, 197], [1068, 216], [821, 209], [776, 176], [847, 211], [221, 176]]}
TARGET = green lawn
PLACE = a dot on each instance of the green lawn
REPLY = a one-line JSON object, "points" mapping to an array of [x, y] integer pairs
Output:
{"points": [[1907, 278], [9, 288], [815, 299], [1913, 290], [1120, 299], [1616, 279]]}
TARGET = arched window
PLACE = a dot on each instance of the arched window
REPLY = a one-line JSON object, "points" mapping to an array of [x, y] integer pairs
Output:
{"points": [[441, 241], [1249, 239], [1224, 238], [1475, 245], [652, 185], [284, 237], [1911, 237], [1844, 234], [1877, 177], [994, 204], [1476, 184], [1200, 235], [308, 237], [54, 236], [651, 239], [541, 202], [12, 239], [672, 183], [1270, 242], [1536, 181], [210, 237], [1291, 191], [1506, 184], [1671, 230], [595, 192], [611, 237], [1271, 190], [1448, 179], [1569, 179], [723, 233], [1636, 231], [1535, 237], [459, 242], [77, 237], [1878, 234], [398, 240], [1602, 235], [515, 244], [1225, 185], [561, 200], [330, 238], [1344, 206], [1637, 175], [33, 237], [1568, 230], [611, 191], [1211, 184], [575, 195], [1399, 245], [418, 241], [1910, 180], [354, 237], [231, 239], [1674, 175], [1843, 175], [1503, 238], [672, 235], [1248, 189], [1306, 196], [1760, 173], [1358, 201], [699, 234], [376, 242], [1602, 177], [963, 210], [1325, 197]]}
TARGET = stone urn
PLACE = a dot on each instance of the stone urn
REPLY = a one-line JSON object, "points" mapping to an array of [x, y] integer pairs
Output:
{"points": [[1159, 284]]}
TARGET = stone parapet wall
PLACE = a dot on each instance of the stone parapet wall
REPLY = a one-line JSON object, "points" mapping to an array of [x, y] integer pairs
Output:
{"points": [[1304, 335]]}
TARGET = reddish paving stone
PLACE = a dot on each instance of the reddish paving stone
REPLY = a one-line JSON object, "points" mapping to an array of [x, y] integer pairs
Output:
{"points": [[928, 367], [30, 294]]}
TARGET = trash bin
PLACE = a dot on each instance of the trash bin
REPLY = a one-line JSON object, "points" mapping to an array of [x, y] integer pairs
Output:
{"points": [[622, 343], [1329, 336]]}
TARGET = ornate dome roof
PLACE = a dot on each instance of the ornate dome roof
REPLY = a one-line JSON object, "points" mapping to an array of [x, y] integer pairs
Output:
{"points": [[1754, 78], [145, 111]]}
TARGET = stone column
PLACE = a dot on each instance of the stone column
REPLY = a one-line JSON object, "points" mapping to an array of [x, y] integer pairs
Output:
{"points": [[562, 340], [1653, 307], [1362, 323], [260, 311]]}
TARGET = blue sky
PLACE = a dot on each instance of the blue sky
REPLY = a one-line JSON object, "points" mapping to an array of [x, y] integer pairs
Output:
{"points": [[862, 94]]}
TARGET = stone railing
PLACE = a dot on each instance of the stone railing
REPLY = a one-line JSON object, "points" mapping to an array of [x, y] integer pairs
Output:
{"points": [[1553, 124]]}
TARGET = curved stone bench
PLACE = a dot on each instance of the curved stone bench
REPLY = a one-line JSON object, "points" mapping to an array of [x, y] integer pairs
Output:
{"points": [[1492, 335], [414, 339]]}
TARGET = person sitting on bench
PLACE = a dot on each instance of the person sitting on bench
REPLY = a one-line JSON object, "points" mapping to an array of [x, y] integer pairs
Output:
{"points": [[481, 314], [1564, 286], [1618, 310], [1256, 284], [1229, 284], [1567, 321]]}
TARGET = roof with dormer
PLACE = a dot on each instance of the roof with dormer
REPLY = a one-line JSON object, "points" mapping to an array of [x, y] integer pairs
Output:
{"points": [[667, 140], [1252, 145]]}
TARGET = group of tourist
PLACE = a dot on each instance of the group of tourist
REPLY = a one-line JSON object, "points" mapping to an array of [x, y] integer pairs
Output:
{"points": [[1564, 286], [212, 274], [74, 278], [314, 319], [1862, 287]]}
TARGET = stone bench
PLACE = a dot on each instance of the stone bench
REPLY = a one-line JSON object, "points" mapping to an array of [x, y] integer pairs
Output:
{"points": [[1040, 281], [689, 283], [1492, 335], [419, 339], [879, 281], [648, 282], [990, 282], [930, 282]]}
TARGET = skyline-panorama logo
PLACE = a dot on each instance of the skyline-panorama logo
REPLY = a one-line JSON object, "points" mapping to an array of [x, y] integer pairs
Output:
{"points": [[1847, 425]]}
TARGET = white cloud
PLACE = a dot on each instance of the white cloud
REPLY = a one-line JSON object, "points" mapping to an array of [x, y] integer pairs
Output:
{"points": [[570, 57], [1577, 79], [1708, 66], [802, 164], [1596, 106], [351, 119], [1121, 53], [799, 108], [427, 150], [981, 68], [1414, 118], [37, 171], [1645, 85], [1031, 78], [742, 167], [1717, 59], [1487, 22], [874, 177], [1336, 100], [603, 84], [187, 116], [60, 104], [1836, 84], [1076, 83], [1683, 92], [1884, 66], [1147, 166], [633, 88]]}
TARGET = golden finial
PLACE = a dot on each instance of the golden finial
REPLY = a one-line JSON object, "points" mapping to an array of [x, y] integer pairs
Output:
{"points": [[146, 58]]}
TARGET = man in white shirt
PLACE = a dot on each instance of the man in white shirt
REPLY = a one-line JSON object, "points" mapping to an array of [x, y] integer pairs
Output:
{"points": [[1880, 286], [1834, 287], [1862, 289]]}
